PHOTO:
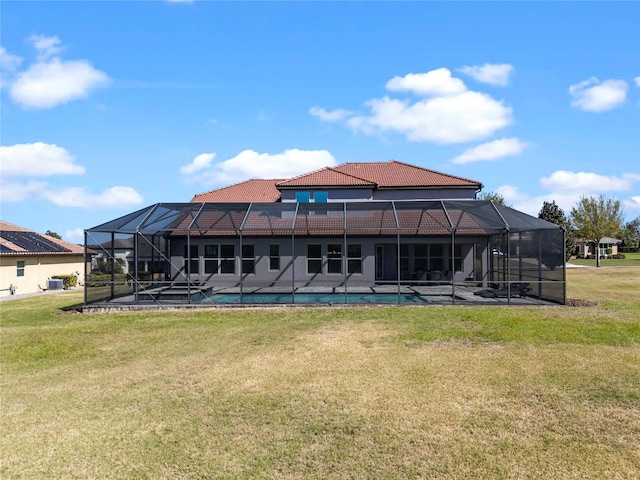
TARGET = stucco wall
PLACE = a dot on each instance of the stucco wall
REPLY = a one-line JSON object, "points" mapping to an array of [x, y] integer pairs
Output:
{"points": [[37, 269], [263, 276]]}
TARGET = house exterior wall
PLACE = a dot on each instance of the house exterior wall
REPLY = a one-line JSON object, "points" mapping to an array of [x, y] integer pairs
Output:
{"points": [[334, 195], [293, 260], [424, 194], [37, 269], [365, 194]]}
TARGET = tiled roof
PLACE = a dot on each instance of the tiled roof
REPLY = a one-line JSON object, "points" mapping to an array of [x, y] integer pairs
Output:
{"points": [[248, 191], [397, 174], [19, 241], [326, 177], [392, 174]]}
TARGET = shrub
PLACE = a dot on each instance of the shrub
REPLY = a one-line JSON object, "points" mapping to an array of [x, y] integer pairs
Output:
{"points": [[609, 251], [618, 256], [103, 279], [68, 281]]}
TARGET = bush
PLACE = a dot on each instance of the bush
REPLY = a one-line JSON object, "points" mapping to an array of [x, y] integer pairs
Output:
{"points": [[609, 251], [618, 256], [68, 281], [103, 279]]}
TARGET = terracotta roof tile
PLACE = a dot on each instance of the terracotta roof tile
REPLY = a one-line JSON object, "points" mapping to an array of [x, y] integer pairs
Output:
{"points": [[398, 174], [244, 192], [326, 177]]}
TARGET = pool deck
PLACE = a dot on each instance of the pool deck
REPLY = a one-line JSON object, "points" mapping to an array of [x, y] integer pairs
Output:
{"points": [[192, 297]]}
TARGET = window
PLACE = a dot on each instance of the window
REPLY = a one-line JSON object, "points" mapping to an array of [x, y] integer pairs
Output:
{"points": [[314, 259], [457, 258], [420, 257], [211, 259], [191, 256], [274, 257], [248, 259], [435, 257], [227, 259], [302, 197], [404, 261], [334, 258], [354, 258], [221, 259], [320, 197], [20, 271]]}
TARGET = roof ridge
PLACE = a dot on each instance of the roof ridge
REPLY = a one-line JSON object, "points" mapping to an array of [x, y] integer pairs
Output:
{"points": [[433, 171], [332, 169], [275, 180]]}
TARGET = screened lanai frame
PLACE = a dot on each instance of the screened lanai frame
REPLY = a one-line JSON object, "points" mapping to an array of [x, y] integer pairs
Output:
{"points": [[510, 249]]}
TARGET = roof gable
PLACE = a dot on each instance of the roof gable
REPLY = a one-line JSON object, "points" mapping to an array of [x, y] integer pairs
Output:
{"points": [[394, 174], [326, 177], [257, 190]]}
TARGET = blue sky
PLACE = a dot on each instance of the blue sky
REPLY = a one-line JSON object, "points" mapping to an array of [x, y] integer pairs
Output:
{"points": [[111, 106]]}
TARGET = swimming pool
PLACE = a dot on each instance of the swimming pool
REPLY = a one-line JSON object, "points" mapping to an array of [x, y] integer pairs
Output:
{"points": [[324, 298]]}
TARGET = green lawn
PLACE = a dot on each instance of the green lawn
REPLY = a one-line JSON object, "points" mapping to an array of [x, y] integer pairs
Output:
{"points": [[394, 392], [630, 260]]}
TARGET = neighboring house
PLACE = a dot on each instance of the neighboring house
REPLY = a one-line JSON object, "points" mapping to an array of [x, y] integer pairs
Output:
{"points": [[374, 227], [29, 259], [585, 247]]}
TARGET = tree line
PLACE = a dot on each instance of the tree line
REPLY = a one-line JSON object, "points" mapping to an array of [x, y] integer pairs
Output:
{"points": [[591, 219]]}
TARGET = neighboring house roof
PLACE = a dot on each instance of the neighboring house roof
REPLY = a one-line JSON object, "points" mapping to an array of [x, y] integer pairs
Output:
{"points": [[19, 241], [375, 175], [602, 240], [247, 191]]}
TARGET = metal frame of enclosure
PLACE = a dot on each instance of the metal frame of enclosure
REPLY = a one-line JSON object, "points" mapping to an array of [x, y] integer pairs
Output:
{"points": [[395, 252]]}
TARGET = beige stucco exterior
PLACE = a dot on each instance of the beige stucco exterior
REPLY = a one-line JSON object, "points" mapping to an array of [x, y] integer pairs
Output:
{"points": [[37, 270]]}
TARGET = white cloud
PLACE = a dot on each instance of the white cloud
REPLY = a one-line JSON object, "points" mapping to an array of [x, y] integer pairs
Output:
{"points": [[251, 164], [75, 235], [37, 160], [52, 83], [464, 117], [46, 47], [633, 203], [583, 182], [450, 114], [200, 162], [493, 74], [330, 116], [9, 64], [637, 80], [434, 83], [490, 151], [595, 96], [12, 192], [113, 197]]}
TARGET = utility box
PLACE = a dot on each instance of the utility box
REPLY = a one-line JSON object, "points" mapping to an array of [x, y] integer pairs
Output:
{"points": [[54, 284]]}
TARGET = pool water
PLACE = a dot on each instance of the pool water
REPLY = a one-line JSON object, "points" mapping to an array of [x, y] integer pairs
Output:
{"points": [[326, 298]]}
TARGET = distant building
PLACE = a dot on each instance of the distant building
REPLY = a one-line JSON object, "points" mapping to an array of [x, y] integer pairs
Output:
{"points": [[586, 248], [29, 259]]}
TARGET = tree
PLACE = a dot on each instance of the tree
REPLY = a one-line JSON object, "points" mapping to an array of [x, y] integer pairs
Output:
{"points": [[551, 212], [595, 218], [53, 234], [495, 197], [630, 234]]}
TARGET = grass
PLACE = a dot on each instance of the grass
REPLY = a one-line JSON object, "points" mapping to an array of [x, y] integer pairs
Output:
{"points": [[393, 392], [630, 260]]}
